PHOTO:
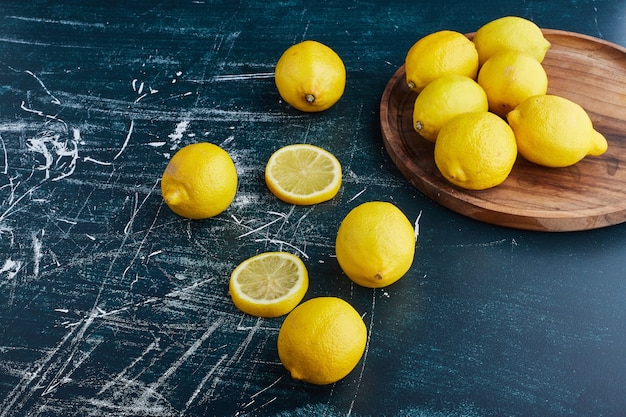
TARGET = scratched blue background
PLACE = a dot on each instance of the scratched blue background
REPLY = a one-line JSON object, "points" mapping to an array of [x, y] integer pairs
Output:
{"points": [[112, 305]]}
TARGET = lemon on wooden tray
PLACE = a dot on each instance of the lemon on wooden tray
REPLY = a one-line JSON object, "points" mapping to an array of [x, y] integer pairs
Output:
{"points": [[375, 244], [322, 340], [509, 78], [303, 174], [310, 76], [554, 131], [270, 284], [437, 54], [200, 181], [444, 98], [510, 33], [476, 150]]}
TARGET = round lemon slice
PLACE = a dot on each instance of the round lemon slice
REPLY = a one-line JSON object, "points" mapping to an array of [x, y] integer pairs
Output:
{"points": [[270, 284], [303, 174]]}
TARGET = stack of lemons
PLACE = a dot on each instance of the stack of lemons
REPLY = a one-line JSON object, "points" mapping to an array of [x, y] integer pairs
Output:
{"points": [[484, 100]]}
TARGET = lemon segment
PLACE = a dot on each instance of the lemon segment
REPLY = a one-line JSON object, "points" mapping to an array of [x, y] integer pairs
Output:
{"points": [[375, 244], [444, 98], [510, 33], [322, 340], [475, 150], [553, 131], [303, 174], [509, 78], [200, 181], [440, 53], [310, 76], [270, 284]]}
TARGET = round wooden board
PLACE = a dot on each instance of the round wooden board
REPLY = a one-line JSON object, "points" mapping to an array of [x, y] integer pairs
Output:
{"points": [[588, 195]]}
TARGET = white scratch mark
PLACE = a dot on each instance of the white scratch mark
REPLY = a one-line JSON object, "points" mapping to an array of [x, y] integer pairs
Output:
{"points": [[156, 144], [95, 161], [11, 267], [61, 310], [259, 228], [357, 195], [237, 77], [72, 222], [54, 99], [90, 237], [152, 346], [365, 353], [417, 225], [42, 114], [177, 135], [74, 344], [155, 253], [37, 243], [202, 383], [188, 353], [130, 132], [6, 159]]}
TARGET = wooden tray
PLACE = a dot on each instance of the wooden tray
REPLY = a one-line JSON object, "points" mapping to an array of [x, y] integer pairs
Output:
{"points": [[588, 195]]}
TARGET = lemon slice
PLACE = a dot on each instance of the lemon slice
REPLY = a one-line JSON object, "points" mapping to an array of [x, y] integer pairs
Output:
{"points": [[270, 284], [303, 174]]}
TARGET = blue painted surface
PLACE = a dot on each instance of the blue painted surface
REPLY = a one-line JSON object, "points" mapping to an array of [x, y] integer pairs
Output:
{"points": [[110, 304]]}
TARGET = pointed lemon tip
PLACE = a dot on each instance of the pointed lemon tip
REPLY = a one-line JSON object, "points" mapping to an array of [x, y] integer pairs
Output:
{"points": [[513, 116], [173, 195], [599, 144]]}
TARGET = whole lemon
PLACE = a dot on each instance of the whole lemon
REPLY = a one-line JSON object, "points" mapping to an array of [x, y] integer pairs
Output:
{"points": [[444, 98], [200, 181], [322, 340], [375, 244], [475, 150], [310, 76], [437, 54], [553, 131], [510, 33], [509, 78]]}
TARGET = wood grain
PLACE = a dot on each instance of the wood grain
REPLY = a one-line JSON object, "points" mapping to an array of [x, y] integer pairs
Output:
{"points": [[588, 195]]}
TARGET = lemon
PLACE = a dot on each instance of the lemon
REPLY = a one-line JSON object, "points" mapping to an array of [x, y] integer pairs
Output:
{"points": [[200, 181], [475, 150], [509, 78], [510, 33], [553, 131], [270, 284], [322, 340], [437, 54], [303, 174], [310, 76], [443, 99], [375, 244]]}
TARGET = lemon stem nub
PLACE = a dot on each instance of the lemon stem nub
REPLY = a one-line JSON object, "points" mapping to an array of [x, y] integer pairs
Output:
{"points": [[419, 126], [378, 277], [310, 98]]}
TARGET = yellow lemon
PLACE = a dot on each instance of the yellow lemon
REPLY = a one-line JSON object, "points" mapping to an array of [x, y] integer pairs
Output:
{"points": [[443, 99], [510, 33], [310, 76], [303, 174], [554, 131], [437, 54], [475, 150], [322, 340], [270, 284], [375, 244], [200, 181], [509, 78]]}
